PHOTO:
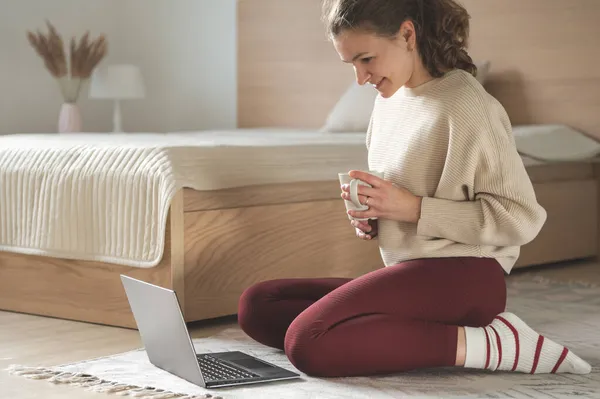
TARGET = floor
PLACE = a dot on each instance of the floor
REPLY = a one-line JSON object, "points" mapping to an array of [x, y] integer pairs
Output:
{"points": [[25, 339]]}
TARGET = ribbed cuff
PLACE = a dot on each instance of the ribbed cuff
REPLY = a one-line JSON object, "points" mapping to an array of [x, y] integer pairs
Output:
{"points": [[476, 344], [454, 220]]}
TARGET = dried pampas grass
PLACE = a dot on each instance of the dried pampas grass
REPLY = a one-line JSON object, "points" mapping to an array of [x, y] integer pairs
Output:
{"points": [[84, 56]]}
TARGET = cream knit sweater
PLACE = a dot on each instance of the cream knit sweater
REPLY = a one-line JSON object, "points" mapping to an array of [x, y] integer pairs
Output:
{"points": [[450, 142]]}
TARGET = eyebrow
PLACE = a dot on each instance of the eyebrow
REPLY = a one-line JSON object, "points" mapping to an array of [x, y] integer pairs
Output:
{"points": [[355, 57]]}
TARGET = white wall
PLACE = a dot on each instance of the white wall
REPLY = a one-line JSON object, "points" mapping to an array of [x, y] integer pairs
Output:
{"points": [[29, 97], [186, 49]]}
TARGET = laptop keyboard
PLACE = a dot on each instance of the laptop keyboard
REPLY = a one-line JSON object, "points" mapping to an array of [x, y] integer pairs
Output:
{"points": [[214, 369]]}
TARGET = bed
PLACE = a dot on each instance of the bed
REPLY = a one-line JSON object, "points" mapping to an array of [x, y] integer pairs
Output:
{"points": [[240, 205], [262, 201]]}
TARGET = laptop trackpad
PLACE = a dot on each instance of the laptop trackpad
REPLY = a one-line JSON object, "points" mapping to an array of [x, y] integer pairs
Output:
{"points": [[250, 363], [244, 360]]}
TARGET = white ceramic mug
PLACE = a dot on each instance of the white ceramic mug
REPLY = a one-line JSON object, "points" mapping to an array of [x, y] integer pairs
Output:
{"points": [[354, 203]]}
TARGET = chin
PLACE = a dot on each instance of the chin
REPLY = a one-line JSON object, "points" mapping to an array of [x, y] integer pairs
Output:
{"points": [[386, 88], [387, 91]]}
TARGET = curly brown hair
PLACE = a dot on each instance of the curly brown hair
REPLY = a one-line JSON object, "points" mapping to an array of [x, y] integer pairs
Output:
{"points": [[442, 27]]}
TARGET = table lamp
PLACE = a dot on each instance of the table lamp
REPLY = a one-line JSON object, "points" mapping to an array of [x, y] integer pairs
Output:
{"points": [[117, 82]]}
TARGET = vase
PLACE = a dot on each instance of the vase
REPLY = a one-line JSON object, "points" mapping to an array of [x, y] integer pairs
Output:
{"points": [[69, 120]]}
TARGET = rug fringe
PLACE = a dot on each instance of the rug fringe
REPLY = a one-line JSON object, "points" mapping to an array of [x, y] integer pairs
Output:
{"points": [[95, 384], [533, 276]]}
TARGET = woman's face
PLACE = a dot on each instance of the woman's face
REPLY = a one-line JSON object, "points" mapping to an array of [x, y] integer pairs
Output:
{"points": [[386, 63]]}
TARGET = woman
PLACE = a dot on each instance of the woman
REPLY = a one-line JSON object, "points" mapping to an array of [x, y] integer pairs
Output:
{"points": [[453, 210]]}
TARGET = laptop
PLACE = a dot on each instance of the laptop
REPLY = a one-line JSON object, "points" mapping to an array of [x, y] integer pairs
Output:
{"points": [[169, 346]]}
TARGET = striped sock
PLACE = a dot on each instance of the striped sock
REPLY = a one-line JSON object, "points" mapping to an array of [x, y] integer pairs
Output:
{"points": [[511, 345]]}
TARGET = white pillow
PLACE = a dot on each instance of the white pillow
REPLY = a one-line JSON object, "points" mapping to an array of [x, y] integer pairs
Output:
{"points": [[483, 70], [353, 110], [548, 142]]}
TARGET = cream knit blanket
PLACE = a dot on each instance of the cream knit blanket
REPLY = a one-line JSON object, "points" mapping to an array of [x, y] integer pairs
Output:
{"points": [[86, 202], [106, 197]]}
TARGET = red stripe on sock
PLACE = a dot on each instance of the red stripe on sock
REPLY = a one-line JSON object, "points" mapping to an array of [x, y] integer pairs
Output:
{"points": [[560, 360], [516, 334], [487, 356], [499, 347], [538, 351]]}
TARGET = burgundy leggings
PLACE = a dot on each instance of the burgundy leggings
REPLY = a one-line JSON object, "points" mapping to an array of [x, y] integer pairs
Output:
{"points": [[393, 319]]}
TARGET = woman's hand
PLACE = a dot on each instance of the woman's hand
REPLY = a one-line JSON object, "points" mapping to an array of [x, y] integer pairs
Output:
{"points": [[365, 229], [384, 199]]}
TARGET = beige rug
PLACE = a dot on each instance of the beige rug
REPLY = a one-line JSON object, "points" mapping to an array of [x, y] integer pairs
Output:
{"points": [[569, 313]]}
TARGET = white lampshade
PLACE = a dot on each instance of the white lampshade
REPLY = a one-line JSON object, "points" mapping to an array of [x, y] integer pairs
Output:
{"points": [[117, 82]]}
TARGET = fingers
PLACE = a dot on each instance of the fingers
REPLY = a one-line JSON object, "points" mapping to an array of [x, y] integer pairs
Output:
{"points": [[368, 214], [361, 198], [362, 225], [372, 204], [362, 235], [363, 229], [363, 193], [367, 178]]}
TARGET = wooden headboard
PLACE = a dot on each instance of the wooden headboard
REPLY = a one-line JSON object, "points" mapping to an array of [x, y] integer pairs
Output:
{"points": [[545, 61]]}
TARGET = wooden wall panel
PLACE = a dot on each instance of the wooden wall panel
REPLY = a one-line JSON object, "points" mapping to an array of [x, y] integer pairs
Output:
{"points": [[289, 74], [544, 56]]}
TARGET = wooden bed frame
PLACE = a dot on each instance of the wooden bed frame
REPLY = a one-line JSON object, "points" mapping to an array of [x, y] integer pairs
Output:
{"points": [[218, 243]]}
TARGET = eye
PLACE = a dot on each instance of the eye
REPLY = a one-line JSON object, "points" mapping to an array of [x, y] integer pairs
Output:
{"points": [[366, 60]]}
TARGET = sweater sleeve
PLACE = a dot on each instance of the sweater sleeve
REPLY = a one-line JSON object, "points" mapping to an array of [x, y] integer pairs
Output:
{"points": [[499, 206]]}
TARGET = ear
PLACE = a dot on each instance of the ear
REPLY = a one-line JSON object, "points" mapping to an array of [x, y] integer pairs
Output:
{"points": [[408, 35]]}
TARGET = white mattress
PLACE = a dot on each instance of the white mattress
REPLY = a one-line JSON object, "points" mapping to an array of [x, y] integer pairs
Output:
{"points": [[211, 160], [251, 157], [106, 197]]}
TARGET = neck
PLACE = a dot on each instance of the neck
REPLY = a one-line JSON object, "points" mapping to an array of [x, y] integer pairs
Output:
{"points": [[420, 74]]}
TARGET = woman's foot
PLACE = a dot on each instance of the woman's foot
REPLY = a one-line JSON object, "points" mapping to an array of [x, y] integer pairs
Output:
{"points": [[509, 344]]}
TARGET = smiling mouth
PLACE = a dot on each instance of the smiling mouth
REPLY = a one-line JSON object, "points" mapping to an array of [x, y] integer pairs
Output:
{"points": [[378, 84]]}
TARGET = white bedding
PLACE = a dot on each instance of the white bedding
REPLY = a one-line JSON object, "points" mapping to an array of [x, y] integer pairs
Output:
{"points": [[105, 197], [555, 143]]}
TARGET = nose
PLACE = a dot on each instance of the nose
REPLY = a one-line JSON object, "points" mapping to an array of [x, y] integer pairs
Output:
{"points": [[362, 76]]}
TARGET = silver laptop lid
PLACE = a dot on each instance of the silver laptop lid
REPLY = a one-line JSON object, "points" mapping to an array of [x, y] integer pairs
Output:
{"points": [[163, 330]]}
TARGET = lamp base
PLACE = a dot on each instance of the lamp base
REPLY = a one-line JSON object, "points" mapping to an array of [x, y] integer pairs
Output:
{"points": [[117, 120], [69, 119]]}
